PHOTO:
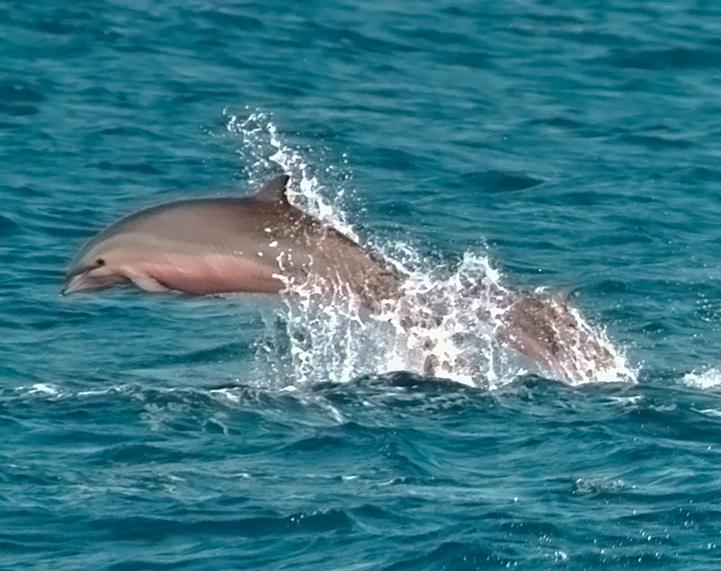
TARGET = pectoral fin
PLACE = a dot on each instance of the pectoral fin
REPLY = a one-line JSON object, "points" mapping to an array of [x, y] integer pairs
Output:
{"points": [[144, 281]]}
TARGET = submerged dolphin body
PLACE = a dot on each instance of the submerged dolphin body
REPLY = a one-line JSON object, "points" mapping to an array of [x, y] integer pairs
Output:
{"points": [[538, 325], [544, 328], [223, 245]]}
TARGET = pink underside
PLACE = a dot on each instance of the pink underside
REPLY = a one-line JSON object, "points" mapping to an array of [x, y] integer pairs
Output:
{"points": [[204, 276]]}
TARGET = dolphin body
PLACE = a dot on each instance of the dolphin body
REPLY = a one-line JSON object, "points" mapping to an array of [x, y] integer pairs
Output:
{"points": [[262, 244], [222, 245]]}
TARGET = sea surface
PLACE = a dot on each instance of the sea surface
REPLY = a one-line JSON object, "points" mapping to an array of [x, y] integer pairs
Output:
{"points": [[572, 146]]}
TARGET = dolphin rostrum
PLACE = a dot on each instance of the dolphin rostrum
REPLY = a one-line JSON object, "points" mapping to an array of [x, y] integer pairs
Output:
{"points": [[223, 245]]}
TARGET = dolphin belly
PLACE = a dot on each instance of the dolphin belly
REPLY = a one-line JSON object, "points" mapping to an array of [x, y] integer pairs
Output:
{"points": [[205, 275]]}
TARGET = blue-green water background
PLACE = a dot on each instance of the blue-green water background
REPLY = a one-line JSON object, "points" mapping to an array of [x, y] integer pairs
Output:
{"points": [[577, 143]]}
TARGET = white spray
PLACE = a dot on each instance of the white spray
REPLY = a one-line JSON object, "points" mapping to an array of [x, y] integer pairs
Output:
{"points": [[443, 324]]}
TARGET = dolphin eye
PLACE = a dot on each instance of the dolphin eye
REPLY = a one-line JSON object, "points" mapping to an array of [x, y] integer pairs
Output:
{"points": [[100, 262]]}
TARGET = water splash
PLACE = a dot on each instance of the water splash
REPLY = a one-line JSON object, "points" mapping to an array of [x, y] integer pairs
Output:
{"points": [[266, 154], [444, 326], [471, 327], [461, 324]]}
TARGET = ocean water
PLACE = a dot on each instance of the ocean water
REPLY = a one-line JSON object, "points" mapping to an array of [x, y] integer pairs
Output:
{"points": [[562, 145]]}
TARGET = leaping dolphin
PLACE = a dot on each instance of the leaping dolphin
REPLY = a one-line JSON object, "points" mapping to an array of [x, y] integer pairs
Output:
{"points": [[261, 244], [224, 245]]}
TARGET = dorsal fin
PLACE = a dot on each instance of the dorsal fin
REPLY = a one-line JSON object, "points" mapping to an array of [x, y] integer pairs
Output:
{"points": [[273, 192]]}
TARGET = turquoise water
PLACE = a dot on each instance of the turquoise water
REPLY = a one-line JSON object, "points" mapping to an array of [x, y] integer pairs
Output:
{"points": [[567, 146]]}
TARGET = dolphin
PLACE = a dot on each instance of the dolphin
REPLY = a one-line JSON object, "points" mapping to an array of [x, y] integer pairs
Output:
{"points": [[262, 244], [210, 246]]}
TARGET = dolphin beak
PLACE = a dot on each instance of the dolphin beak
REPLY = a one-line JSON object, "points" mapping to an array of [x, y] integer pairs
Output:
{"points": [[81, 282], [74, 284]]}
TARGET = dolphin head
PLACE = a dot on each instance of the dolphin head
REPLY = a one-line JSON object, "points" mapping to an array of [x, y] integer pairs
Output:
{"points": [[97, 266], [132, 249]]}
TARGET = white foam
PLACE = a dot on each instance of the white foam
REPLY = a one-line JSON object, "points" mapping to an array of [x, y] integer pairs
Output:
{"points": [[712, 412], [709, 379], [45, 390]]}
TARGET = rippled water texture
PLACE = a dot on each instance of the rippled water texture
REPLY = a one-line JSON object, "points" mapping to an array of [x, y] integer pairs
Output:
{"points": [[572, 147]]}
